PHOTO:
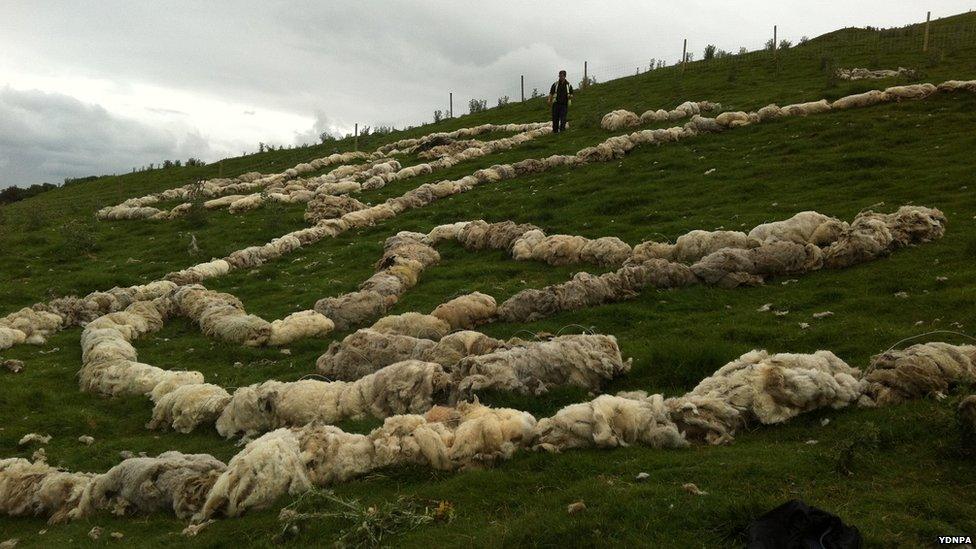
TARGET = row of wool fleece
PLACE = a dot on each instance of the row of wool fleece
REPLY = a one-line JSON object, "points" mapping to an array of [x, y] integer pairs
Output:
{"points": [[277, 185], [806, 242], [183, 400], [868, 74], [610, 149], [406, 146], [620, 119], [321, 192], [322, 204], [758, 388], [734, 119], [32, 325], [141, 207]]}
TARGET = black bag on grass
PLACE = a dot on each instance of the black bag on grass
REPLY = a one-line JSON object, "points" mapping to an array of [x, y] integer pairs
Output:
{"points": [[796, 525]]}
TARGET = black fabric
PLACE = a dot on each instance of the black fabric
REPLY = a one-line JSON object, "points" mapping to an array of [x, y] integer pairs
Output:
{"points": [[559, 112], [562, 91], [795, 525]]}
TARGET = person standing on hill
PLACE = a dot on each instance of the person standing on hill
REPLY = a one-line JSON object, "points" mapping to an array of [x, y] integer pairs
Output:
{"points": [[560, 94]]}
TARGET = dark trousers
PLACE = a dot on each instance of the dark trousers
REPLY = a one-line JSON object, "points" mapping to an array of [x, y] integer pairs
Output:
{"points": [[559, 112]]}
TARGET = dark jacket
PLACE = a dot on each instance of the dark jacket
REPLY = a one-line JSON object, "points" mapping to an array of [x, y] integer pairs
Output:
{"points": [[562, 92]]}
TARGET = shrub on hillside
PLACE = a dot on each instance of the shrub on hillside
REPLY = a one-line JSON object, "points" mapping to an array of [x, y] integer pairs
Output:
{"points": [[477, 105], [78, 238]]}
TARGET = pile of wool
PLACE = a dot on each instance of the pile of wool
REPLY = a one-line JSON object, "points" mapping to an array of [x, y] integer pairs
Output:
{"points": [[704, 419], [559, 249], [619, 119], [736, 119], [859, 100], [585, 290], [28, 325], [651, 116], [109, 364], [806, 227], [223, 201], [609, 422], [200, 272], [480, 235], [467, 311], [222, 316], [692, 246], [769, 112], [774, 388], [142, 485], [910, 91], [354, 308], [299, 325], [862, 74], [732, 267], [410, 246], [366, 351], [701, 124], [330, 207], [806, 109], [268, 468], [37, 489], [405, 387], [291, 461], [923, 369], [442, 233], [187, 406], [249, 202], [872, 235], [958, 85], [414, 325], [587, 361], [453, 347], [10, 337]]}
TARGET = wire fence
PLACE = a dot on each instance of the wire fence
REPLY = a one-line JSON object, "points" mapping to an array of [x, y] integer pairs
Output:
{"points": [[865, 46]]}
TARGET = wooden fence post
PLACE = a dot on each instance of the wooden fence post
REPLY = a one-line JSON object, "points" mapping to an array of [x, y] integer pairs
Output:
{"points": [[774, 41], [925, 43], [356, 137], [450, 98], [684, 55], [523, 88], [586, 81]]}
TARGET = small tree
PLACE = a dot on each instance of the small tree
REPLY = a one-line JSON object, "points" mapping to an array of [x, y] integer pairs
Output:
{"points": [[503, 100], [535, 93], [743, 50], [326, 137], [438, 116], [804, 40], [477, 105], [651, 65], [689, 57], [770, 44], [260, 147], [709, 52], [364, 131], [785, 44]]}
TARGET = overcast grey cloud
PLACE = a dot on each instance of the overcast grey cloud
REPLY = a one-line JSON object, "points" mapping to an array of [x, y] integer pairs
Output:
{"points": [[99, 87]]}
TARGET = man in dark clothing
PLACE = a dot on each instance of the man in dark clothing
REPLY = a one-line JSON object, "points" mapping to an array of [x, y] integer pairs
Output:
{"points": [[560, 94]]}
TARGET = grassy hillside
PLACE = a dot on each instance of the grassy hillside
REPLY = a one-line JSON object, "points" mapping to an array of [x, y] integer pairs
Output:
{"points": [[907, 481]]}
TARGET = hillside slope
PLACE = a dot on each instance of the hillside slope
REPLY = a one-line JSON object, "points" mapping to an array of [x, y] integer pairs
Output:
{"points": [[897, 472]]}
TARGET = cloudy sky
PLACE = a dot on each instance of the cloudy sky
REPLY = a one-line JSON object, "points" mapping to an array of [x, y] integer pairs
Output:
{"points": [[101, 86]]}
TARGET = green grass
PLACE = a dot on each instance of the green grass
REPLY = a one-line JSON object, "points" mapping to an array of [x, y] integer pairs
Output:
{"points": [[913, 485]]}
